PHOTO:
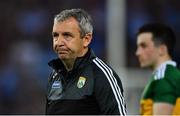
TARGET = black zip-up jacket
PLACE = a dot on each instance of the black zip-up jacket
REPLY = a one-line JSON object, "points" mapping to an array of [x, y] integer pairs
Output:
{"points": [[92, 87]]}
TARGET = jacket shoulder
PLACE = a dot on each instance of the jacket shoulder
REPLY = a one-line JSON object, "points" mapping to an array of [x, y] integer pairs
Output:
{"points": [[101, 68]]}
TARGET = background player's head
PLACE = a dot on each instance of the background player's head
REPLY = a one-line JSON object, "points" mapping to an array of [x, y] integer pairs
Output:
{"points": [[155, 43]]}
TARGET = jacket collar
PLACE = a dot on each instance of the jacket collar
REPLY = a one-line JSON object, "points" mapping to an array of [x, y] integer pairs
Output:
{"points": [[80, 62]]}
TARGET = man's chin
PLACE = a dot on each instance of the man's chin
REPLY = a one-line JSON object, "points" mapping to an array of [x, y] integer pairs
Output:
{"points": [[144, 66], [63, 57]]}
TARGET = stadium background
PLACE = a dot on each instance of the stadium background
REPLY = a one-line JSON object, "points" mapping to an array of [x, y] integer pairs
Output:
{"points": [[26, 45]]}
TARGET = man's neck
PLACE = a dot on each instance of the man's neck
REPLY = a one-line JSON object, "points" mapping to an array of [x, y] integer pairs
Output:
{"points": [[69, 64], [161, 61]]}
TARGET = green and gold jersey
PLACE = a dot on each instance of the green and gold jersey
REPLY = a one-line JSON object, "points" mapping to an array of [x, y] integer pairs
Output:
{"points": [[164, 86]]}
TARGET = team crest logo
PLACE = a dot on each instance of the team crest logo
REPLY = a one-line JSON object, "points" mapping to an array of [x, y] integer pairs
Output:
{"points": [[81, 82]]}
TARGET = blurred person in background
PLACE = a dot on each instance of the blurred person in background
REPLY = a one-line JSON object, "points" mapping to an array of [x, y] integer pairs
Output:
{"points": [[155, 45], [80, 82]]}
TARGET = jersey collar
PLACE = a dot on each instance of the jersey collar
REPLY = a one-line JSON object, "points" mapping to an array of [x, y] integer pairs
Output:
{"points": [[159, 73]]}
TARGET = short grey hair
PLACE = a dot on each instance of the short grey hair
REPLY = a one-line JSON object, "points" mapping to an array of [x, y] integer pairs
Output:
{"points": [[82, 17]]}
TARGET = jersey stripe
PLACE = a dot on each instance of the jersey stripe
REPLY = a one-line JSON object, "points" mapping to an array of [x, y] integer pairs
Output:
{"points": [[113, 83]]}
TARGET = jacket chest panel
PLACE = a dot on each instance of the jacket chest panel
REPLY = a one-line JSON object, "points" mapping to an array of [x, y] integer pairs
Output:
{"points": [[76, 87]]}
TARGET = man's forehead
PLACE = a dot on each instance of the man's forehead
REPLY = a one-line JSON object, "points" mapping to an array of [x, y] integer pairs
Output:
{"points": [[66, 24], [147, 36]]}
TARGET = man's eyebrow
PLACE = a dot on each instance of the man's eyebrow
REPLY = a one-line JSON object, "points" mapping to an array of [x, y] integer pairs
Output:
{"points": [[54, 34], [67, 33]]}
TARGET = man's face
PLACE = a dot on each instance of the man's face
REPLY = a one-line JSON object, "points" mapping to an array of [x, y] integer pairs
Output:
{"points": [[66, 39], [146, 52]]}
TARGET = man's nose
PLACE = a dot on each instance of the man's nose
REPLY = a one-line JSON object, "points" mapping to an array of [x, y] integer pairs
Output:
{"points": [[60, 41]]}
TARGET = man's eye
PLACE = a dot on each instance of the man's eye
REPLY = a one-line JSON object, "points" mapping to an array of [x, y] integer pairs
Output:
{"points": [[55, 34], [68, 36], [143, 45]]}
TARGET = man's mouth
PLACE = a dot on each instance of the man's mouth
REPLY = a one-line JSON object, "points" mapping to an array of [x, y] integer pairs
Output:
{"points": [[62, 52]]}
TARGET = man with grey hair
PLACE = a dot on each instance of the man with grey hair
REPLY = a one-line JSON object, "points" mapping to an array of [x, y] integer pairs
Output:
{"points": [[80, 82]]}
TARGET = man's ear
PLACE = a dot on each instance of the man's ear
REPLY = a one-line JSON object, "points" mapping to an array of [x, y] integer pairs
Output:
{"points": [[87, 39], [163, 50]]}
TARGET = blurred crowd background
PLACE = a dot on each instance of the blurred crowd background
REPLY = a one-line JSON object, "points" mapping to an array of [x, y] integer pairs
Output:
{"points": [[26, 43]]}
